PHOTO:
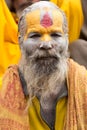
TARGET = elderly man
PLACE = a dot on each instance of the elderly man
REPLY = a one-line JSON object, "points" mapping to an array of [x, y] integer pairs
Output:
{"points": [[9, 47], [47, 90]]}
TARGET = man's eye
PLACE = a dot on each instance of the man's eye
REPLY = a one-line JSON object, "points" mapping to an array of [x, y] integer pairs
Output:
{"points": [[35, 35], [56, 35]]}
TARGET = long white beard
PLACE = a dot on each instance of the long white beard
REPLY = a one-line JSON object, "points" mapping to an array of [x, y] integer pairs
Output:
{"points": [[43, 85]]}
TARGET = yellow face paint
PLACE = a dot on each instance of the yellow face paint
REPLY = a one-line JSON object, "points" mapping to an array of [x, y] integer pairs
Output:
{"points": [[45, 23]]}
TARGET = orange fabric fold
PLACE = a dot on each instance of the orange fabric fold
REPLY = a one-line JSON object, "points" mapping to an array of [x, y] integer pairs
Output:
{"points": [[9, 46], [13, 103], [76, 118]]}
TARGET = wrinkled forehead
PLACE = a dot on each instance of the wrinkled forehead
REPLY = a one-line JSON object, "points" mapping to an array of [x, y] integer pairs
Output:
{"points": [[45, 17]]}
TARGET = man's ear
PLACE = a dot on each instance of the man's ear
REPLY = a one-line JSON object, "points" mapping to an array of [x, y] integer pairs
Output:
{"points": [[67, 39], [20, 39]]}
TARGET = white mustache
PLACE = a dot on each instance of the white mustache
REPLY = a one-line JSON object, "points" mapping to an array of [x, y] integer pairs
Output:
{"points": [[45, 53]]}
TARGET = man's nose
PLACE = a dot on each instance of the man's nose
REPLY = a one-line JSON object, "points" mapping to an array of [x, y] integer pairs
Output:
{"points": [[46, 44]]}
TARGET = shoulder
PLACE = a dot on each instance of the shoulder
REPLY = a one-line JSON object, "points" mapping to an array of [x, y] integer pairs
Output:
{"points": [[77, 72]]}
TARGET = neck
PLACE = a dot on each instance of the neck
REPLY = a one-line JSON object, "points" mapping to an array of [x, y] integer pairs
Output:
{"points": [[48, 114], [48, 101]]}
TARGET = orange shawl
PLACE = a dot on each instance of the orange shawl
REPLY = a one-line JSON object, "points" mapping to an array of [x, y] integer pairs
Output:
{"points": [[13, 102], [76, 118]]}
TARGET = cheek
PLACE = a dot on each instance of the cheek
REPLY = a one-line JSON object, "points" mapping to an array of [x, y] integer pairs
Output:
{"points": [[62, 43], [30, 45]]}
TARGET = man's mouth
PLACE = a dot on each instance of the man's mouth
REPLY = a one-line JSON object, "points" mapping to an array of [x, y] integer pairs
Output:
{"points": [[47, 58]]}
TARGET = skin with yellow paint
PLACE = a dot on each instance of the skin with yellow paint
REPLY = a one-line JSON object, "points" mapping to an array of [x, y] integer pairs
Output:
{"points": [[38, 36], [35, 26]]}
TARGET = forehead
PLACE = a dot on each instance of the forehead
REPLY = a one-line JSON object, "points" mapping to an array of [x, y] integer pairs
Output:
{"points": [[45, 18]]}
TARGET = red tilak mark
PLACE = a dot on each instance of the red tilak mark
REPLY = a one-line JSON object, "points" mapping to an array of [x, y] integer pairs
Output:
{"points": [[46, 21]]}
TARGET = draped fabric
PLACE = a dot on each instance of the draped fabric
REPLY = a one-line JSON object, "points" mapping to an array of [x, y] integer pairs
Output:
{"points": [[76, 118], [13, 114], [9, 47], [74, 13], [13, 103], [78, 48]]}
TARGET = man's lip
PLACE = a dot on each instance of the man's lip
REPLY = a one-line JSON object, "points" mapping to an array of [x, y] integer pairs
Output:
{"points": [[46, 58]]}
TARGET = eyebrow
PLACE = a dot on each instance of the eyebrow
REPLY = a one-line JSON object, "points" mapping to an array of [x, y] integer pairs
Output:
{"points": [[42, 30]]}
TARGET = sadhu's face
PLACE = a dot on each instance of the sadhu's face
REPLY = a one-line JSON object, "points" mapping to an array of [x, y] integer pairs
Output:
{"points": [[44, 40]]}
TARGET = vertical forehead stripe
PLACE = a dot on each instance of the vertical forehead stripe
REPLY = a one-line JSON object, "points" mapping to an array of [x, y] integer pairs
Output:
{"points": [[46, 20]]}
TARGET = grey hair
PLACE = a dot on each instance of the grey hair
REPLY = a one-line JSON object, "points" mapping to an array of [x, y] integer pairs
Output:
{"points": [[22, 25]]}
